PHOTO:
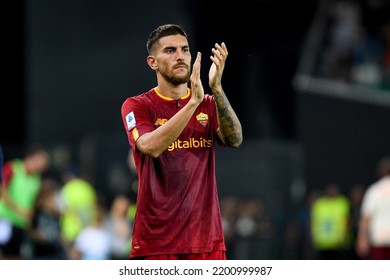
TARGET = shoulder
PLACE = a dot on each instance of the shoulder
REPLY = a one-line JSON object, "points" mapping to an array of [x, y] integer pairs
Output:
{"points": [[380, 185], [141, 96], [371, 192], [8, 171], [13, 165], [139, 99]]}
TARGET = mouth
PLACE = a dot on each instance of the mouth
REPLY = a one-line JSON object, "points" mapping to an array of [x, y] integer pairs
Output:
{"points": [[181, 66]]}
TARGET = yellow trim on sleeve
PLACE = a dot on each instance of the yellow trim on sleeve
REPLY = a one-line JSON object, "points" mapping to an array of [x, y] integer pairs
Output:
{"points": [[135, 134]]}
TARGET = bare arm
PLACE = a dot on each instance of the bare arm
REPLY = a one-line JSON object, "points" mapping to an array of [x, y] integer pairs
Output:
{"points": [[12, 204], [156, 142], [362, 241], [4, 195], [230, 130]]}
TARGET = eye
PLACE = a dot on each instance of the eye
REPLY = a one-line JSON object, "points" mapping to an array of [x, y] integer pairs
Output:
{"points": [[169, 50]]}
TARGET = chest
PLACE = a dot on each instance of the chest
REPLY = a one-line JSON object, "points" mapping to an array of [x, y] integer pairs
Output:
{"points": [[199, 125]]}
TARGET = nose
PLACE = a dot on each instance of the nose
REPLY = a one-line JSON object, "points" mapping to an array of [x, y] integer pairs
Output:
{"points": [[180, 55]]}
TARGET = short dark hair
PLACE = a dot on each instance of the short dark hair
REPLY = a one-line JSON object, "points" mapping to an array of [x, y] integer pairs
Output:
{"points": [[383, 166], [163, 31]]}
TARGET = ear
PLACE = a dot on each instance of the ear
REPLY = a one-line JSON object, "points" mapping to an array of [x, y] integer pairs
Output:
{"points": [[151, 60]]}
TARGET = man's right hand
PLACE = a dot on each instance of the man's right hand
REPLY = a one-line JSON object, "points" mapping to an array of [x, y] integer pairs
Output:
{"points": [[196, 83]]}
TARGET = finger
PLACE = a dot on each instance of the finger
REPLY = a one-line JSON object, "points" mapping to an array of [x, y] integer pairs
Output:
{"points": [[198, 58], [221, 49], [196, 65], [214, 60], [223, 45], [217, 52]]}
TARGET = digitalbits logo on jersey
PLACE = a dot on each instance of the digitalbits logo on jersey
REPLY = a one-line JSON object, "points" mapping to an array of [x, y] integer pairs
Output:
{"points": [[130, 120]]}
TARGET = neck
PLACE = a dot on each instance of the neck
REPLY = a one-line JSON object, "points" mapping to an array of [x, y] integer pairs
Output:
{"points": [[171, 91]]}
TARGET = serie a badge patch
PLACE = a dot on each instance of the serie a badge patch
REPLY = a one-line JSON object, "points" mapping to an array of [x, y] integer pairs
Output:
{"points": [[130, 120]]}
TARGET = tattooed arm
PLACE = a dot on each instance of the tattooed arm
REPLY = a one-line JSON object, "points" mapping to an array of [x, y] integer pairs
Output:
{"points": [[230, 131]]}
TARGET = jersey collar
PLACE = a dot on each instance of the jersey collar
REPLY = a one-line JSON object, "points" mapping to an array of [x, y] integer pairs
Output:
{"points": [[170, 99]]}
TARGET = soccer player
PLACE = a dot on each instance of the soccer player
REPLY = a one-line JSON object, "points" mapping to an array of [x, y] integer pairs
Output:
{"points": [[172, 130], [373, 239], [20, 188]]}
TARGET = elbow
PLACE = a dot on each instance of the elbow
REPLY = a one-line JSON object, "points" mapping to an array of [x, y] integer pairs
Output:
{"points": [[148, 149], [153, 154], [234, 140], [237, 143]]}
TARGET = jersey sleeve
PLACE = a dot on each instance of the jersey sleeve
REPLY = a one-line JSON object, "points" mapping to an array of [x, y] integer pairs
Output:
{"points": [[135, 120], [7, 173]]}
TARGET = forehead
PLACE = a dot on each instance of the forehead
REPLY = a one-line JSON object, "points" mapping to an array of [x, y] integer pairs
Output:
{"points": [[177, 41]]}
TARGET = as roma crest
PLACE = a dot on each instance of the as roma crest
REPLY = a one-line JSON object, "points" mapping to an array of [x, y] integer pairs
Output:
{"points": [[202, 118]]}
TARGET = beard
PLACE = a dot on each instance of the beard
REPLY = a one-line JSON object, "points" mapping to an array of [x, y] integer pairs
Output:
{"points": [[174, 79]]}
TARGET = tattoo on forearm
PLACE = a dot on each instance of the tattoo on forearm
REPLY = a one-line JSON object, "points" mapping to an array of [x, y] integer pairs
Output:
{"points": [[229, 124]]}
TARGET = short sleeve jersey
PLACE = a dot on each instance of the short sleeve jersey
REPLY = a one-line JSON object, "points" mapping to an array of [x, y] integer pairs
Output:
{"points": [[376, 205], [177, 202]]}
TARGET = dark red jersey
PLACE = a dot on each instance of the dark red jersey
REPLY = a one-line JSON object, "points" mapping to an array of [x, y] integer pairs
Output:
{"points": [[177, 202]]}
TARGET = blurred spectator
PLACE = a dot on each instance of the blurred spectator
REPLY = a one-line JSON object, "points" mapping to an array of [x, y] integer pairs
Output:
{"points": [[329, 223], [93, 241], [1, 166], [80, 199], [1, 172], [247, 219], [345, 17], [278, 216], [132, 210], [5, 227], [21, 185], [305, 243], [134, 176], [253, 227], [355, 197], [356, 43], [133, 186], [373, 239], [370, 65], [367, 60], [229, 211], [120, 228], [46, 238], [386, 56]]}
